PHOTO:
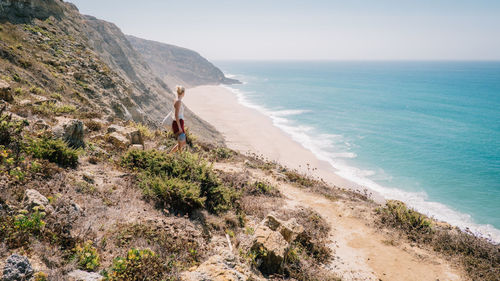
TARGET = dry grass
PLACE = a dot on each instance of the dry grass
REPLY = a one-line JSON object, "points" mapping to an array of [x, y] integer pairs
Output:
{"points": [[480, 258]]}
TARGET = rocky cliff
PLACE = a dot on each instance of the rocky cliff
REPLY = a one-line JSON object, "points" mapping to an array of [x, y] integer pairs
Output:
{"points": [[177, 65], [50, 45]]}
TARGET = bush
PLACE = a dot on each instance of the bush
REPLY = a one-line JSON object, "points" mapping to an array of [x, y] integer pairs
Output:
{"points": [[397, 214], [139, 265], [86, 256], [187, 167], [221, 153], [173, 192], [55, 151], [11, 132], [51, 108], [262, 188], [17, 230]]}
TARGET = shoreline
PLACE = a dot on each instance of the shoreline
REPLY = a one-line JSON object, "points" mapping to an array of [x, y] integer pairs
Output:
{"points": [[260, 136], [247, 130]]}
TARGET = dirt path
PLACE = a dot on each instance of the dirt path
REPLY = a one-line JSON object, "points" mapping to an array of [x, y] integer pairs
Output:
{"points": [[363, 252]]}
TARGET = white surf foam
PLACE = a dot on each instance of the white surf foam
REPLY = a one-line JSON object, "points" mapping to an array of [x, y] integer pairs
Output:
{"points": [[323, 145]]}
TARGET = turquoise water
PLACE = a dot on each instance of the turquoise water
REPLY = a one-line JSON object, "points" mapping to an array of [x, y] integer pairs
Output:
{"points": [[427, 133]]}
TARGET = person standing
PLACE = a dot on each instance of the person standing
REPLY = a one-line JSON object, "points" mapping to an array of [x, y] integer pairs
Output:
{"points": [[178, 122]]}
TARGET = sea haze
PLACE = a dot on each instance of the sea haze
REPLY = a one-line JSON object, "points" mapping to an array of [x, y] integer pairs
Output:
{"points": [[426, 133]]}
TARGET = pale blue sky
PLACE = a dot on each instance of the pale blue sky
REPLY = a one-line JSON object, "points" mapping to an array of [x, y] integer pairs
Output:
{"points": [[313, 29]]}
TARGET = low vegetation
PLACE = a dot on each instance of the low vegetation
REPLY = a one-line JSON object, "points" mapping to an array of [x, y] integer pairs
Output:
{"points": [[195, 181], [53, 150], [138, 265], [480, 258]]}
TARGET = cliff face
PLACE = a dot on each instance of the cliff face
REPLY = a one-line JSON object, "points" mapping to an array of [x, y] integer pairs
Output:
{"points": [[176, 65], [62, 51], [25, 10]]}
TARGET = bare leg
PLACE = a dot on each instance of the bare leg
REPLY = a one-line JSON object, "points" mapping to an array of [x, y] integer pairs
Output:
{"points": [[174, 149], [181, 145]]}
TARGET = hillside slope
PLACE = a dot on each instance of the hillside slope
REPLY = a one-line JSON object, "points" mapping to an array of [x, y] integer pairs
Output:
{"points": [[177, 65], [50, 45]]}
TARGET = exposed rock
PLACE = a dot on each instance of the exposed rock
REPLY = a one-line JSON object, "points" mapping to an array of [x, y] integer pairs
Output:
{"points": [[88, 178], [115, 128], [33, 198], [118, 140], [271, 239], [72, 132], [5, 92], [40, 124], [25, 10], [270, 247], [17, 268], [135, 137], [80, 275], [225, 267]]}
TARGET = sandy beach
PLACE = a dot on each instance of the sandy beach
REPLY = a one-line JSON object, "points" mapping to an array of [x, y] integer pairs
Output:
{"points": [[249, 131], [361, 253]]}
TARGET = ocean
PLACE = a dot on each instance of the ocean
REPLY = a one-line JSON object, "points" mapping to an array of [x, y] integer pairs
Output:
{"points": [[425, 133]]}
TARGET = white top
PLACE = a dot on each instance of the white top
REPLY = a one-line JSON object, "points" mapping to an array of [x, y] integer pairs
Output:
{"points": [[181, 110]]}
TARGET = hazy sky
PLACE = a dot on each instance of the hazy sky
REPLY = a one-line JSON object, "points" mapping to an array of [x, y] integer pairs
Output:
{"points": [[313, 29]]}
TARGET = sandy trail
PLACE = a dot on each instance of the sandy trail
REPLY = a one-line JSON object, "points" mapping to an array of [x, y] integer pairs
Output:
{"points": [[362, 252]]}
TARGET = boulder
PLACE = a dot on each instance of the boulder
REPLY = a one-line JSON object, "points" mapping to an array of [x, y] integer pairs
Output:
{"points": [[270, 247], [135, 137], [5, 92], [72, 132], [80, 275], [118, 140], [271, 240], [33, 198], [17, 268], [225, 267], [115, 128]]}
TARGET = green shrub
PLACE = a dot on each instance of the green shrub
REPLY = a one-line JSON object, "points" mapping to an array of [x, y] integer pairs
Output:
{"points": [[17, 230], [41, 276], [297, 178], [173, 192], [263, 188], [29, 223], [187, 167], [10, 131], [55, 151], [397, 214], [51, 108], [139, 265], [56, 96], [86, 256], [221, 153], [37, 91]]}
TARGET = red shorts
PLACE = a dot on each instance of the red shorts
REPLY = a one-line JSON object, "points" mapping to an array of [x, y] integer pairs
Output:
{"points": [[175, 128]]}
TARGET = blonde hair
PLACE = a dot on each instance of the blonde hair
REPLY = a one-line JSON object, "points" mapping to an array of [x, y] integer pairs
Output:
{"points": [[180, 90]]}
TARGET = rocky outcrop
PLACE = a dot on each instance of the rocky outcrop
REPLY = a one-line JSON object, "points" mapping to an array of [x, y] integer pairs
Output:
{"points": [[72, 132], [17, 268], [271, 241], [225, 267], [33, 198], [122, 137], [80, 275], [5, 91], [177, 65], [26, 10]]}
